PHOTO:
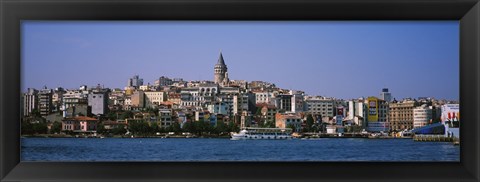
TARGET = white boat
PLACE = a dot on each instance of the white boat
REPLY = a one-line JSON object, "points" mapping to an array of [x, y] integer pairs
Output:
{"points": [[263, 133]]}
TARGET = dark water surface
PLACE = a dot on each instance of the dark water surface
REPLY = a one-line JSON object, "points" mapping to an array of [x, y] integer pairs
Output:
{"points": [[199, 149]]}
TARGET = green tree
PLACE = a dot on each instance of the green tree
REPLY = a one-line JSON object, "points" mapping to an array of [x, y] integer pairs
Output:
{"points": [[101, 129], [126, 115], [259, 111], [232, 127], [40, 128], [119, 130], [56, 127], [161, 129], [309, 123], [190, 127], [112, 116], [292, 127], [176, 128], [27, 128], [36, 113], [220, 128]]}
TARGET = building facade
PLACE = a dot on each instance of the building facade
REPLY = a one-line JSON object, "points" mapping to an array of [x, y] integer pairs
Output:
{"points": [[45, 101], [377, 115], [30, 101], [320, 106], [288, 120], [357, 112], [154, 98], [385, 95], [135, 82], [80, 124], [98, 101], [422, 116], [401, 114]]}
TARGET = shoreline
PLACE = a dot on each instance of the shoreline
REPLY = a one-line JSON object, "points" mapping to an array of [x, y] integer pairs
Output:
{"points": [[203, 137]]}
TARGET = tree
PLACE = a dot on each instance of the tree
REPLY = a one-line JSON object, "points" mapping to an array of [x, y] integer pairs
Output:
{"points": [[292, 127], [232, 127], [176, 128], [112, 116], [27, 128], [36, 113], [220, 128], [190, 127], [259, 111], [119, 130], [101, 129], [161, 129], [40, 128], [126, 115], [309, 123], [56, 127]]}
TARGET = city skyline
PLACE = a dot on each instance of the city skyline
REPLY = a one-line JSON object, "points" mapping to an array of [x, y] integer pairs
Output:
{"points": [[379, 55]]}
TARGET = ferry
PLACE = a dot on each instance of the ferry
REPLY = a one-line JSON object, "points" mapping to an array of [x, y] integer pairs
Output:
{"points": [[262, 133]]}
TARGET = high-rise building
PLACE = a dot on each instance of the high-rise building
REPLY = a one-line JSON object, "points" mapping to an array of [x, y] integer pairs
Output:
{"points": [[220, 74], [135, 81], [45, 101], [385, 95], [30, 101]]}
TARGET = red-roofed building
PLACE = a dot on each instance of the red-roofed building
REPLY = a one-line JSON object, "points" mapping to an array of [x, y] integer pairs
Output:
{"points": [[80, 124]]}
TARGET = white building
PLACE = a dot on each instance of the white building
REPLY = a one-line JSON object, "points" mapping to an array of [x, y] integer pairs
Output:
{"points": [[30, 101], [422, 116], [450, 112], [265, 97], [147, 87], [357, 112], [154, 98], [297, 101]]}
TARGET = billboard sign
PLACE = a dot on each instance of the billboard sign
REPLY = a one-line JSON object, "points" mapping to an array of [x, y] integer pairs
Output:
{"points": [[340, 111], [450, 112], [372, 109]]}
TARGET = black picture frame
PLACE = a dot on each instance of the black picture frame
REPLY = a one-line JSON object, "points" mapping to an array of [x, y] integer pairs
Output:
{"points": [[12, 12]]}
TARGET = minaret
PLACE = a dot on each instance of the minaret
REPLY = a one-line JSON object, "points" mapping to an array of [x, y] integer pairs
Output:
{"points": [[220, 70]]}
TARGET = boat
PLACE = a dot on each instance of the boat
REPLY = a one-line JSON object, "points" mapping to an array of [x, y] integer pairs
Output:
{"points": [[250, 133]]}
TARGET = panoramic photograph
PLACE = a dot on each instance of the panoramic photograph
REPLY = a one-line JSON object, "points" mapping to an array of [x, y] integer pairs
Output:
{"points": [[287, 91]]}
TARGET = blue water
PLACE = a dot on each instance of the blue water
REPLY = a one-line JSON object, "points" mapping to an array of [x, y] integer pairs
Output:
{"points": [[199, 149]]}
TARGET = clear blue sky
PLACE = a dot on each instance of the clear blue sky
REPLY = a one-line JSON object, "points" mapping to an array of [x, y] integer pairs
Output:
{"points": [[340, 59]]}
